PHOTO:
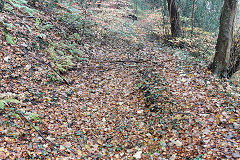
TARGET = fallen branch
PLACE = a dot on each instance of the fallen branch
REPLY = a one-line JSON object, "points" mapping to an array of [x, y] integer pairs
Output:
{"points": [[129, 61], [49, 65], [39, 133], [132, 61]]}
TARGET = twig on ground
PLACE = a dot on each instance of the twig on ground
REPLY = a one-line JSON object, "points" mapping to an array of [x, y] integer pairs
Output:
{"points": [[131, 61], [39, 133], [41, 61]]}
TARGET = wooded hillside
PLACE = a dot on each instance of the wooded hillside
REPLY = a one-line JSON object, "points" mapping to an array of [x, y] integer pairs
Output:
{"points": [[109, 79]]}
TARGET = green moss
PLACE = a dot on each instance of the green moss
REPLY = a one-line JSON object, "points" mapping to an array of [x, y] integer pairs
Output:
{"points": [[10, 40], [60, 52], [20, 4], [77, 52], [76, 36], [47, 27]]}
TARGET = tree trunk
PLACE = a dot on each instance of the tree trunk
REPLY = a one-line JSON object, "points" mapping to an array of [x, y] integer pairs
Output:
{"points": [[174, 18], [2, 2], [192, 20], [165, 8], [221, 60], [234, 58]]}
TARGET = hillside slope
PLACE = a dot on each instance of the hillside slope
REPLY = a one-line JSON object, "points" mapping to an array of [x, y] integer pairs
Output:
{"points": [[92, 86]]}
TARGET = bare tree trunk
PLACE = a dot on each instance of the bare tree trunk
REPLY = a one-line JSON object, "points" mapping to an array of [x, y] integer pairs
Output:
{"points": [[234, 65], [174, 18], [221, 60], [192, 21], [2, 2]]}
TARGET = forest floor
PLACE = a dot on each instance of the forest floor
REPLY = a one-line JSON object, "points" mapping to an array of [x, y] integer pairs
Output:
{"points": [[163, 105]]}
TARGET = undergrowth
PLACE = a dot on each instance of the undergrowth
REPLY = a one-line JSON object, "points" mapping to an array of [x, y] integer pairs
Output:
{"points": [[156, 94]]}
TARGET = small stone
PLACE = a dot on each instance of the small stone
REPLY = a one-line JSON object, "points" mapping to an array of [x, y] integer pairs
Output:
{"points": [[120, 103], [230, 135], [224, 114], [148, 134], [28, 67], [6, 58], [236, 155], [138, 155], [104, 119], [206, 141], [129, 150], [163, 144], [140, 111], [94, 110], [204, 115], [45, 146], [173, 157], [236, 125], [141, 124], [156, 154], [62, 147], [40, 138], [176, 142], [50, 138], [160, 158], [206, 131], [67, 144]]}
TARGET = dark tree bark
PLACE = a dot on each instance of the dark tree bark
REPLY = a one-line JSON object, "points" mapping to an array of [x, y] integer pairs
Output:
{"points": [[192, 20], [2, 2], [165, 8], [221, 62], [174, 18], [234, 58]]}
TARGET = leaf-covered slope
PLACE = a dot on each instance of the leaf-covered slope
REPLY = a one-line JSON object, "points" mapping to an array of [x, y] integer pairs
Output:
{"points": [[122, 100]]}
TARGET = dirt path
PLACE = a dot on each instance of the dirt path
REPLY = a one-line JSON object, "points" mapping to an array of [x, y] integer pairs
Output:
{"points": [[102, 114]]}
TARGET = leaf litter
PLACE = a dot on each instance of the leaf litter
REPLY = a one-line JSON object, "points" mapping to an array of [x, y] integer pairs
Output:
{"points": [[180, 111]]}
